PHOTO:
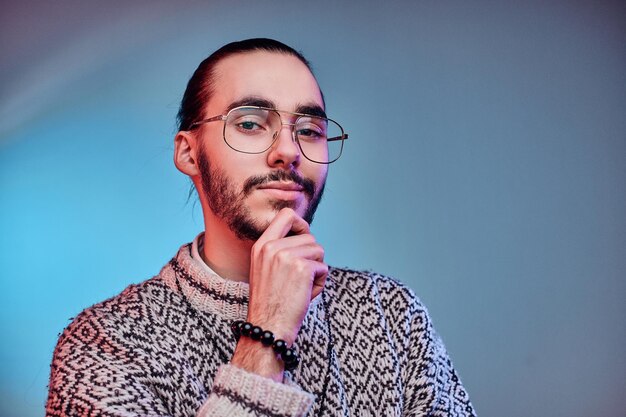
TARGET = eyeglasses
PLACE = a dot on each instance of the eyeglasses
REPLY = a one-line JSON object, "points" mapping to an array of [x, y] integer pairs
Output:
{"points": [[252, 129]]}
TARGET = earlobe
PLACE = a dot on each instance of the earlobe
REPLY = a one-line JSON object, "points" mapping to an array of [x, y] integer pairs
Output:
{"points": [[185, 153]]}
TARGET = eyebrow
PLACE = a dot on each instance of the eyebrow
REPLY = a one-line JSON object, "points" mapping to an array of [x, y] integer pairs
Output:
{"points": [[310, 108], [251, 101]]}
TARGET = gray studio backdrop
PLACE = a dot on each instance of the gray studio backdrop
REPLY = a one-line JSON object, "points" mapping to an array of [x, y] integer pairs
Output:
{"points": [[485, 168]]}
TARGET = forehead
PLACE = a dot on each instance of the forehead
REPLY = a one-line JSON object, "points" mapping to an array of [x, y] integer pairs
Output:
{"points": [[277, 77]]}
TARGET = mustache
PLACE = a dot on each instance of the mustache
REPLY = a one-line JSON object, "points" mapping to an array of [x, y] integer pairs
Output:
{"points": [[308, 186]]}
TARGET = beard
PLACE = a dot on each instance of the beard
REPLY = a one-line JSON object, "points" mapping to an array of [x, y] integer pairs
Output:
{"points": [[228, 203]]}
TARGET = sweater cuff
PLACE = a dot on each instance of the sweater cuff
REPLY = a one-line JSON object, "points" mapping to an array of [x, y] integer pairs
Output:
{"points": [[239, 393]]}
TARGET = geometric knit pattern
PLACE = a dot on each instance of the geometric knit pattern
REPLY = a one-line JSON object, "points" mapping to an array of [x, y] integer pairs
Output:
{"points": [[367, 348]]}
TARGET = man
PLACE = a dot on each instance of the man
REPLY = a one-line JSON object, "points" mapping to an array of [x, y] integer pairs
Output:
{"points": [[255, 141]]}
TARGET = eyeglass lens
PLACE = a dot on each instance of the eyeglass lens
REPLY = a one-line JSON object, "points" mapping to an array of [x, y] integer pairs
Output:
{"points": [[254, 130]]}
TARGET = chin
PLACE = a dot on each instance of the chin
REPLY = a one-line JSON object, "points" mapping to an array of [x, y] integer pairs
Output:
{"points": [[278, 205], [250, 223]]}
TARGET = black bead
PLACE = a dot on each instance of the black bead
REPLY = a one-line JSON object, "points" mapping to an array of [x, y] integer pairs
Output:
{"points": [[293, 365], [279, 346], [246, 328], [256, 333], [235, 326], [288, 355], [267, 338], [291, 359]]}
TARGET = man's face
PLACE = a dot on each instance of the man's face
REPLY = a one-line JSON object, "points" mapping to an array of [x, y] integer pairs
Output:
{"points": [[245, 191]]}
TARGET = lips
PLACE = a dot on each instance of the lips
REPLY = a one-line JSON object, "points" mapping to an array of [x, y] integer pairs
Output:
{"points": [[280, 181], [285, 191], [283, 186]]}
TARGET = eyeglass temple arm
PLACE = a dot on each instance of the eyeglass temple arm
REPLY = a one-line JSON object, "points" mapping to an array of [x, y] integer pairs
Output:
{"points": [[342, 137], [212, 119]]}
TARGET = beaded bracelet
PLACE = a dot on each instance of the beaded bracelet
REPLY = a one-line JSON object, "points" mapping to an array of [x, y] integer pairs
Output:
{"points": [[288, 355]]}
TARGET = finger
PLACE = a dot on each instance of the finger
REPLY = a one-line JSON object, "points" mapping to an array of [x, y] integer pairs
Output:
{"points": [[319, 280], [285, 221], [285, 253], [272, 247], [289, 257], [311, 251]]}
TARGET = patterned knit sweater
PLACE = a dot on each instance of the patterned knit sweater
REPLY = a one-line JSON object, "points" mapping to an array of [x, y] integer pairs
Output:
{"points": [[367, 348]]}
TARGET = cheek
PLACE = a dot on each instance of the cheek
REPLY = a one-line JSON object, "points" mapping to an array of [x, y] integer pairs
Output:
{"points": [[320, 175], [234, 165]]}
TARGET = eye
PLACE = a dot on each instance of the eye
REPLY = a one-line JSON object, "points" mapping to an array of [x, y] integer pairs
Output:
{"points": [[310, 132], [248, 125]]}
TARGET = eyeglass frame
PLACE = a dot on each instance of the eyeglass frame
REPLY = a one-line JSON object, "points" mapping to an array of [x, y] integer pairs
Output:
{"points": [[294, 137]]}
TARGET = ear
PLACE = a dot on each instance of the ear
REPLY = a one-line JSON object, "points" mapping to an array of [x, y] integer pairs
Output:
{"points": [[185, 153]]}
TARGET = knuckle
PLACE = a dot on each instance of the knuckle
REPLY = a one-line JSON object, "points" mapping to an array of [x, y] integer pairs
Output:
{"points": [[283, 256], [268, 248], [263, 250], [302, 267]]}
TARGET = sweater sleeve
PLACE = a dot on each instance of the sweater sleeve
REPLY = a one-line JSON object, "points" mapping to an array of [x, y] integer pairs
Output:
{"points": [[94, 373], [432, 386], [240, 393]]}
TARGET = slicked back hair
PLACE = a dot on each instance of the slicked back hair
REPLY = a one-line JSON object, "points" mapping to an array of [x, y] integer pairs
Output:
{"points": [[200, 87]]}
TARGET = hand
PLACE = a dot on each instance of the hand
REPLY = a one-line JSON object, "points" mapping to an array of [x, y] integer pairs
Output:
{"points": [[287, 271]]}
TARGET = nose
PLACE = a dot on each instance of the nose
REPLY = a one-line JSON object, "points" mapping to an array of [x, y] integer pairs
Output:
{"points": [[284, 152]]}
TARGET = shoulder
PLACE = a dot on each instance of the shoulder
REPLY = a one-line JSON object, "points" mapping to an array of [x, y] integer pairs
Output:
{"points": [[368, 287], [370, 282], [113, 318], [104, 355]]}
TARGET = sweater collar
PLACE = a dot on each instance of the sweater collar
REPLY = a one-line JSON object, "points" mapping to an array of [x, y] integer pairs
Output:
{"points": [[205, 290]]}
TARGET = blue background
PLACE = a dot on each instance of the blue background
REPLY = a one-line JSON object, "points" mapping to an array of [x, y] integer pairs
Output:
{"points": [[485, 168]]}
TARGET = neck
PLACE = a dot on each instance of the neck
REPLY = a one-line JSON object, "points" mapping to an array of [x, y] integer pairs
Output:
{"points": [[223, 252]]}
